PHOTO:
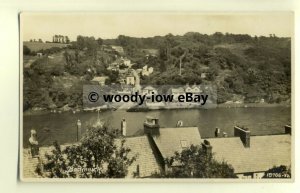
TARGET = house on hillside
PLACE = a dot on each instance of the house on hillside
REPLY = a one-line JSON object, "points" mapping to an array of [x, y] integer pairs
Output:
{"points": [[127, 62], [147, 71], [126, 90], [114, 66], [195, 89], [100, 80], [149, 90], [118, 49], [150, 52], [176, 92], [130, 80]]}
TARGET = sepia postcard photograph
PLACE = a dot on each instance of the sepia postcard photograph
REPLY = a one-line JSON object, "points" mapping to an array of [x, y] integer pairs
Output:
{"points": [[156, 96]]}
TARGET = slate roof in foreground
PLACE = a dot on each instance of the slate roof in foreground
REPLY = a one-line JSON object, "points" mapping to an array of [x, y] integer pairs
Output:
{"points": [[139, 146], [145, 157], [264, 152], [176, 139]]}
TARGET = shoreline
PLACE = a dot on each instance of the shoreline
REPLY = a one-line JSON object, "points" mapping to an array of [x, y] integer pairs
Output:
{"points": [[252, 105], [223, 105]]}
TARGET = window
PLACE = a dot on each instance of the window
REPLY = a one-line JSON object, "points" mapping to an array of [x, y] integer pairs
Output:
{"points": [[184, 143]]}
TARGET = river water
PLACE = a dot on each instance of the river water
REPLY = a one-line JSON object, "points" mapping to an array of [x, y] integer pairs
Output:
{"points": [[63, 128]]}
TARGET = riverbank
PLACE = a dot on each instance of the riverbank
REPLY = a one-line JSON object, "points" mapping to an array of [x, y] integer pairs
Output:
{"points": [[40, 111], [252, 105]]}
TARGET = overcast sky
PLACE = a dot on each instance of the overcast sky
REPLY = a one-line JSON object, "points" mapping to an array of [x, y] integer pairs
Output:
{"points": [[110, 25]]}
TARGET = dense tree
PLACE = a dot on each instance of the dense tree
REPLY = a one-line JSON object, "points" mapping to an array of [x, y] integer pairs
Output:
{"points": [[99, 154], [86, 42], [242, 67], [278, 172], [99, 41], [26, 50], [67, 40], [165, 48], [195, 162]]}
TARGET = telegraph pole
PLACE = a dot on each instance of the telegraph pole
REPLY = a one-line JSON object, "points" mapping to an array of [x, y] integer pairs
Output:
{"points": [[180, 62]]}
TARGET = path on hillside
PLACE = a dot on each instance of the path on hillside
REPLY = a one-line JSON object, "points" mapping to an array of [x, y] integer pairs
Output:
{"points": [[137, 80]]}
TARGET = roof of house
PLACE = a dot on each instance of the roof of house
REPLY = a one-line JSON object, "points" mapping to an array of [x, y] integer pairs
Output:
{"points": [[145, 157], [193, 87], [177, 90], [264, 152], [149, 88], [30, 164], [100, 78], [139, 146], [118, 48], [175, 139]]}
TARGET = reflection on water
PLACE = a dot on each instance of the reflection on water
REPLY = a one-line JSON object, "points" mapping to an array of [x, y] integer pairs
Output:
{"points": [[62, 127]]}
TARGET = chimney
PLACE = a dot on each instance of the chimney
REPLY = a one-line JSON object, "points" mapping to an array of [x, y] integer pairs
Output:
{"points": [[217, 132], [34, 144], [138, 170], [244, 134], [151, 126], [207, 147], [78, 129], [288, 129]]}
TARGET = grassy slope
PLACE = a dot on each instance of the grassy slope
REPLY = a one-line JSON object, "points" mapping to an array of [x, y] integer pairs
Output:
{"points": [[36, 46]]}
